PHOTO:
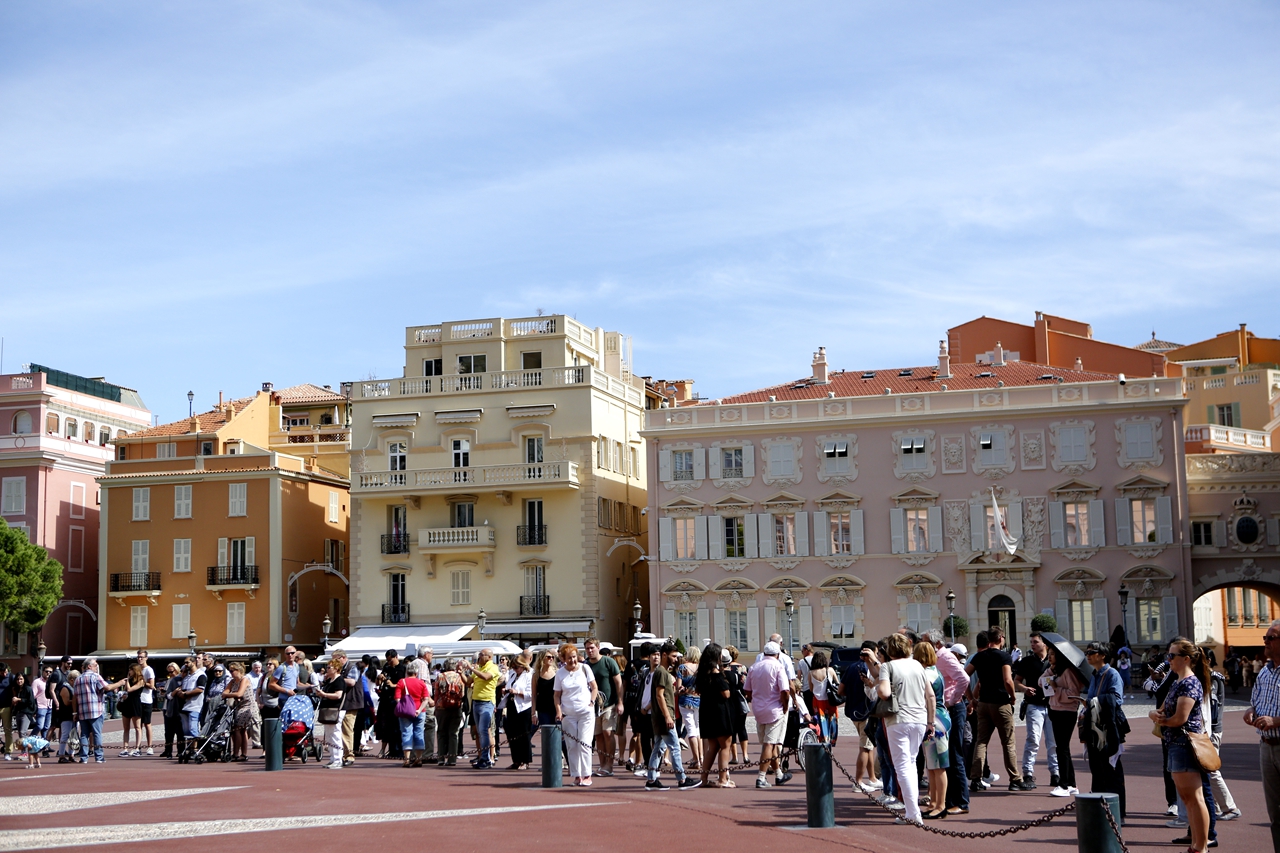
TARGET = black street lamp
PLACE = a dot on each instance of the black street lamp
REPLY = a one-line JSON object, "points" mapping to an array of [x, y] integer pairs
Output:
{"points": [[636, 612], [951, 613], [1124, 612], [191, 403], [191, 641], [326, 626], [789, 604], [480, 620]]}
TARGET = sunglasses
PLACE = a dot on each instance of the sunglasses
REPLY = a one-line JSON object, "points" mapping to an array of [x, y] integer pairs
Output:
{"points": [[1270, 637]]}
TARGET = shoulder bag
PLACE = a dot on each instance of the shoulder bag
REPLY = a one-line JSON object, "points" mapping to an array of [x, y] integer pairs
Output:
{"points": [[1206, 754], [406, 708], [886, 707]]}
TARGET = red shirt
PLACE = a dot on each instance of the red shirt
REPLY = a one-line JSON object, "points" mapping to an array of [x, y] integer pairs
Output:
{"points": [[417, 689]]}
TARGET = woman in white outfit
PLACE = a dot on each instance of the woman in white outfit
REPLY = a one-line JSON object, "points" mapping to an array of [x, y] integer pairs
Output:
{"points": [[330, 712], [575, 695], [904, 678]]}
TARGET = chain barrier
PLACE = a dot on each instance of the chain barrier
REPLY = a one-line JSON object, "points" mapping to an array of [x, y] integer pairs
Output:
{"points": [[1111, 819], [991, 833]]}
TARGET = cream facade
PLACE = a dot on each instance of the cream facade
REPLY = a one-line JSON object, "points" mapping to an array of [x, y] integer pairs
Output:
{"points": [[503, 474]]}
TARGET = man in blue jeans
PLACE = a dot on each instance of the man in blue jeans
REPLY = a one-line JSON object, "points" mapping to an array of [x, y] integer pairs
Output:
{"points": [[89, 692], [483, 679], [193, 687], [659, 699]]}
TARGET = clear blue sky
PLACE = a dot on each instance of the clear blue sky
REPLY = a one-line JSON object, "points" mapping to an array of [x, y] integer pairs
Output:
{"points": [[207, 196]]}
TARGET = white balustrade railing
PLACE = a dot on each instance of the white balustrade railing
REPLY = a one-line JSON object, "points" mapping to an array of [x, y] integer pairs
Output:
{"points": [[479, 475], [455, 536], [427, 334], [21, 383], [1232, 436], [462, 331], [540, 326], [1215, 382], [1248, 378], [552, 377]]}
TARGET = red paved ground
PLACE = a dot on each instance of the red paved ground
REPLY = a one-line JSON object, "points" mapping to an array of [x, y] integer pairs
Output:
{"points": [[743, 819]]}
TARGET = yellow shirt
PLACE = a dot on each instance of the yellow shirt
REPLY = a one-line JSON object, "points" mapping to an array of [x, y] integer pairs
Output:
{"points": [[485, 691]]}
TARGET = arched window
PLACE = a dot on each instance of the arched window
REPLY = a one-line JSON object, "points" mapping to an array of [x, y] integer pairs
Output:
{"points": [[72, 428], [104, 436], [51, 424], [22, 423], [88, 431]]}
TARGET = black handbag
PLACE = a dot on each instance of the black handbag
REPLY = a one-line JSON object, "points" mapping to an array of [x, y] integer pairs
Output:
{"points": [[886, 707], [329, 716]]}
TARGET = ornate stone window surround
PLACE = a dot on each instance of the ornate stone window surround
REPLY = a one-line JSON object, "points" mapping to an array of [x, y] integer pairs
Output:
{"points": [[1142, 487], [1148, 582], [919, 588], [1157, 449], [1246, 507], [1073, 469], [797, 457], [995, 470], [1080, 582], [930, 468], [715, 463], [842, 591], [850, 441]]}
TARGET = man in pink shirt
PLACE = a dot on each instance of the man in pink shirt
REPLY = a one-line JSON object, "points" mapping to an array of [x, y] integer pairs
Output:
{"points": [[769, 692], [955, 682]]}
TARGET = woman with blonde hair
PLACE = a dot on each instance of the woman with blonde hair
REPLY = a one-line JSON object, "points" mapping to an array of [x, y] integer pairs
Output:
{"points": [[244, 712], [519, 712], [330, 693], [1183, 714], [903, 677], [688, 701], [937, 746], [131, 708], [575, 698]]}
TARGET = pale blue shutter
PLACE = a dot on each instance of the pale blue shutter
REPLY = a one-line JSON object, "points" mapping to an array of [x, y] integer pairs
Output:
{"points": [[1057, 525]]}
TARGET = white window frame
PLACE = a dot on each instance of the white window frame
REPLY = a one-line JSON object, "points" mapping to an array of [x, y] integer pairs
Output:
{"points": [[167, 450], [915, 530], [835, 455], [1144, 529], [735, 537], [237, 500], [1073, 444], [684, 538], [235, 623], [335, 503], [181, 621], [19, 426], [784, 534], [142, 504], [682, 465], [460, 587], [687, 627], [914, 450], [15, 496], [737, 628], [1139, 442], [1145, 610], [75, 556], [138, 626], [843, 621], [141, 556], [182, 555], [182, 501], [840, 533], [1080, 616], [1077, 513], [78, 498], [993, 450]]}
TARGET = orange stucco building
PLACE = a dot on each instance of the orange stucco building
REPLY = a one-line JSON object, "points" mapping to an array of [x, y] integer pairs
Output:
{"points": [[214, 531]]}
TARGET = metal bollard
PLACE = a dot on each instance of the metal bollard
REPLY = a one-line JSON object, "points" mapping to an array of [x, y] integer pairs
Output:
{"points": [[552, 773], [272, 748], [1093, 832], [818, 794]]}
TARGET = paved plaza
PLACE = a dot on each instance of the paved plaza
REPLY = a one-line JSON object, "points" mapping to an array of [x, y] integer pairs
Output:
{"points": [[127, 801]]}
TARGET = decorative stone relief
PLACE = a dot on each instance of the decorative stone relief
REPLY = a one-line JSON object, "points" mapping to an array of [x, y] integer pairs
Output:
{"points": [[1244, 521], [1074, 469], [912, 404], [918, 559], [1146, 553], [930, 466], [990, 399], [955, 516], [797, 461], [1079, 583], [1157, 449], [785, 564], [1233, 463], [730, 414], [683, 568], [1070, 394], [842, 562], [839, 502], [835, 408], [1077, 555], [779, 412], [995, 470], [1250, 569], [679, 417], [1148, 581], [734, 565], [1032, 443], [1034, 513], [825, 465], [953, 456]]}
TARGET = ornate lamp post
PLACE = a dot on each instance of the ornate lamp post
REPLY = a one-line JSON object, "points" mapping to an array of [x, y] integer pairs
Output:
{"points": [[636, 612], [480, 620], [789, 604], [191, 403], [1124, 612], [325, 627], [191, 641], [41, 650], [951, 613]]}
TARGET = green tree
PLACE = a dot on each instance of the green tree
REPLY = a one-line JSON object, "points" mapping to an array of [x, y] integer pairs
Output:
{"points": [[30, 581], [680, 646], [959, 623], [1044, 622]]}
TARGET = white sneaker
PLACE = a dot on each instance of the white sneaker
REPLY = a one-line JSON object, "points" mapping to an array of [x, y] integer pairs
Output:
{"points": [[876, 785], [1172, 810], [864, 788], [337, 766], [150, 751], [1231, 815], [896, 806], [1060, 792], [641, 773], [1176, 824], [984, 784], [991, 780]]}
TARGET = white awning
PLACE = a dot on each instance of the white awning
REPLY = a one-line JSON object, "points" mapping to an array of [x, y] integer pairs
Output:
{"points": [[376, 639], [396, 419], [1209, 362], [538, 627]]}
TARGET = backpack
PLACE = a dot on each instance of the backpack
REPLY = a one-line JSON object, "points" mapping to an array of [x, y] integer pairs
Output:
{"points": [[634, 686], [449, 691]]}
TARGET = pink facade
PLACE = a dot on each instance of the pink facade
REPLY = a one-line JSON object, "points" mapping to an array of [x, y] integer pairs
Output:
{"points": [[867, 497], [55, 439]]}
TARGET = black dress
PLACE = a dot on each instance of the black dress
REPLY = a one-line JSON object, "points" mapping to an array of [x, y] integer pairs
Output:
{"points": [[714, 719]]}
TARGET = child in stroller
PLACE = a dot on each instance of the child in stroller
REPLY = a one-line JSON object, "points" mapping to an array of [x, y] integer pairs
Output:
{"points": [[214, 742]]}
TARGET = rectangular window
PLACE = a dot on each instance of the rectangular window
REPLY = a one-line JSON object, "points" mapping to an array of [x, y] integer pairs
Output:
{"points": [[684, 537], [1264, 610], [602, 453], [77, 500], [1076, 524], [635, 462], [1081, 620], [15, 496], [460, 587], [531, 360], [138, 626], [238, 499], [991, 448], [604, 513], [304, 420], [836, 457], [533, 449], [122, 453], [682, 464], [181, 501], [168, 450], [737, 628], [235, 623], [1202, 533], [842, 621], [1138, 441], [1247, 598], [916, 532], [782, 460], [181, 621], [1142, 512], [461, 453], [687, 628], [1225, 415], [141, 555], [432, 367], [735, 538], [75, 550], [841, 533], [335, 501], [1071, 444], [182, 555], [472, 364], [784, 535], [1150, 623], [731, 463], [535, 581], [141, 504], [206, 448], [914, 457], [464, 514]]}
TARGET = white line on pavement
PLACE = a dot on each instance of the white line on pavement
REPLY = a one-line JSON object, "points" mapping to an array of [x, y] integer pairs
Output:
{"points": [[54, 803]]}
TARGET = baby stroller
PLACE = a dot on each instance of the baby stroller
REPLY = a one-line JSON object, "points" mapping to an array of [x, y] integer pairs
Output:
{"points": [[297, 721], [803, 729], [214, 742]]}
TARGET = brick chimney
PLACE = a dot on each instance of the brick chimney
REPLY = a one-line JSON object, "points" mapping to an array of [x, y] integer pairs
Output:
{"points": [[997, 357], [944, 361], [820, 367], [1079, 363]]}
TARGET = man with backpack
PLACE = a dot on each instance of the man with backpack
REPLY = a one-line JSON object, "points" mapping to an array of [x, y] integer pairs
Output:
{"points": [[450, 690], [641, 724]]}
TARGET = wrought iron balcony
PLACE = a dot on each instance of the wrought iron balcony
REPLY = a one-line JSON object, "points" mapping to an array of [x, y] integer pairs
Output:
{"points": [[535, 605], [395, 543], [531, 534], [232, 576], [135, 582], [395, 613]]}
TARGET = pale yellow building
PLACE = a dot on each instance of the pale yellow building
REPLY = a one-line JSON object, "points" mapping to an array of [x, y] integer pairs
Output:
{"points": [[502, 474]]}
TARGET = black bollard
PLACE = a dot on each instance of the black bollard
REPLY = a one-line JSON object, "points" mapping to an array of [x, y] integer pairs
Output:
{"points": [[1093, 832], [818, 793], [272, 748], [552, 772]]}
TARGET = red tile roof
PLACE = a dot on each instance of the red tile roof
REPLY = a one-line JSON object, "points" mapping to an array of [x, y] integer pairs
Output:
{"points": [[210, 421], [915, 380], [308, 393]]}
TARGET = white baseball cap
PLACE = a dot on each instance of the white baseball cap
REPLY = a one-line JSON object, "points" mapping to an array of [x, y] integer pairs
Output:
{"points": [[772, 649], [959, 649]]}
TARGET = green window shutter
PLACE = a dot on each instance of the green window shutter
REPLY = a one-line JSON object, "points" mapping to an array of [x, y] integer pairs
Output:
{"points": [[1213, 415], [1235, 416]]}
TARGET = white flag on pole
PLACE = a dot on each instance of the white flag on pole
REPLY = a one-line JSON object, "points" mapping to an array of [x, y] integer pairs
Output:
{"points": [[1006, 538]]}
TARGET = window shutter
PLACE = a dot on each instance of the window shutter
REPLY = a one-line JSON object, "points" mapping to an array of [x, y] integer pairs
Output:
{"points": [[1213, 414], [821, 534], [896, 524], [222, 552], [700, 537], [1097, 524], [751, 535], [1058, 525], [1062, 612], [935, 529], [1124, 524], [1131, 622], [766, 538], [770, 619], [802, 534], [1273, 532], [249, 552], [716, 453], [665, 537], [1235, 416], [1220, 533], [699, 464], [1164, 520], [1101, 624], [806, 624], [748, 461], [715, 538], [669, 622], [704, 625], [978, 527], [857, 539], [1015, 522], [719, 624], [753, 626], [1169, 616], [664, 465]]}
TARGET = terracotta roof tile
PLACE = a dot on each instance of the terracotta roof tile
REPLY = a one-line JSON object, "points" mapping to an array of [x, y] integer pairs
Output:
{"points": [[210, 421], [308, 393], [914, 380]]}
